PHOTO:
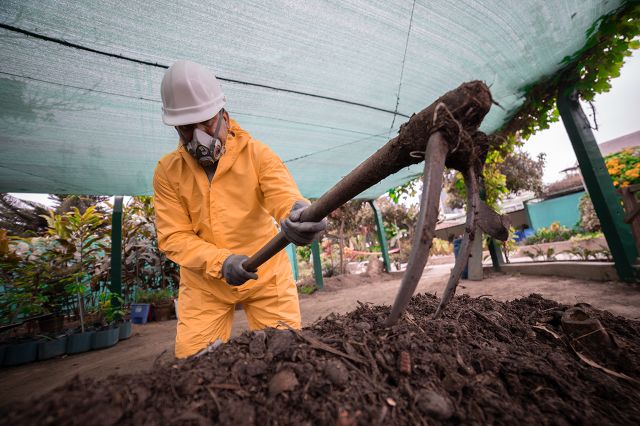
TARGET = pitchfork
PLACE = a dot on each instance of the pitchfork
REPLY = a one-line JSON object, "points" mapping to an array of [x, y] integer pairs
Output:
{"points": [[445, 134]]}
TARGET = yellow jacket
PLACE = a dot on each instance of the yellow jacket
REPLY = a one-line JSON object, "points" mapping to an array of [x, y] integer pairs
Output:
{"points": [[199, 224]]}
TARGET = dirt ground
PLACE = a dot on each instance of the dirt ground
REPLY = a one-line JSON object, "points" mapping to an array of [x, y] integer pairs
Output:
{"points": [[151, 345]]}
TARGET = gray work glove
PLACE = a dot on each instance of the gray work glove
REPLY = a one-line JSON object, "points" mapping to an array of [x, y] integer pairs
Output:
{"points": [[234, 272], [301, 233]]}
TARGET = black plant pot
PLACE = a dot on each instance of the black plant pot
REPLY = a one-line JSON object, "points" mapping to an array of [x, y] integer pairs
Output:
{"points": [[125, 330], [48, 349], [79, 342], [105, 338], [20, 353]]}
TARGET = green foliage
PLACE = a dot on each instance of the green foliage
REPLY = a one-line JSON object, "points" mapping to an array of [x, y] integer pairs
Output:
{"points": [[71, 261], [307, 289], [110, 307], [584, 253], [304, 252], [156, 296], [506, 170], [144, 265], [84, 241], [409, 189], [586, 236], [590, 70], [64, 203], [624, 167], [555, 232], [34, 277], [538, 253]]}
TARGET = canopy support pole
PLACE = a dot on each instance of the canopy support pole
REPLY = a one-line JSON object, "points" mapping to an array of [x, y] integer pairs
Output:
{"points": [[317, 263], [293, 258], [599, 185], [496, 254], [384, 247], [116, 250]]}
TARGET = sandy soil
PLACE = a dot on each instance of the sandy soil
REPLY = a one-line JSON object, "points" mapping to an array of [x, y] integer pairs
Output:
{"points": [[152, 344]]}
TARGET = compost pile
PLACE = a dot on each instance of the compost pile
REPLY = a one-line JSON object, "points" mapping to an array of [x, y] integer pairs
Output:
{"points": [[483, 362]]}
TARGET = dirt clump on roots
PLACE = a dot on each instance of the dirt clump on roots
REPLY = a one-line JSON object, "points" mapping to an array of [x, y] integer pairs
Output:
{"points": [[483, 362]]}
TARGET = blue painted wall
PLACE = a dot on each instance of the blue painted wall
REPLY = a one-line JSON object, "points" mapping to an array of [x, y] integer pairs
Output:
{"points": [[562, 209]]}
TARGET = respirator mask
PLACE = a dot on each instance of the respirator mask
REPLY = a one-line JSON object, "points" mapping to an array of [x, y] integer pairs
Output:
{"points": [[205, 148]]}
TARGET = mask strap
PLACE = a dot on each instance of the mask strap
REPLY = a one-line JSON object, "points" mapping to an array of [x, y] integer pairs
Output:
{"points": [[220, 119]]}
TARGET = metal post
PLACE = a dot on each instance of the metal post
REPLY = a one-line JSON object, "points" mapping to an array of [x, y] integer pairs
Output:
{"points": [[496, 254], [377, 214], [526, 210], [293, 259], [317, 263], [475, 260], [599, 185], [116, 250]]}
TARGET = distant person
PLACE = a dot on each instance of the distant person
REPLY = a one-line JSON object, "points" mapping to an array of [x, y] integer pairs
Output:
{"points": [[216, 198]]}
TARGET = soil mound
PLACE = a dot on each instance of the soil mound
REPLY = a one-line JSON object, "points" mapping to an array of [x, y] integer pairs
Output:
{"points": [[528, 361]]}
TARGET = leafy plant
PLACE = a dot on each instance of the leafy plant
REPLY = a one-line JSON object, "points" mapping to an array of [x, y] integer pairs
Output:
{"points": [[110, 307], [538, 253], [83, 239], [590, 70], [586, 236], [406, 190], [33, 277], [555, 232], [506, 170], [307, 289], [304, 252], [585, 254]]}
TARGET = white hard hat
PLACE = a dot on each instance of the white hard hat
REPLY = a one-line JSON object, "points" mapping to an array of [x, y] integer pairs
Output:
{"points": [[190, 94]]}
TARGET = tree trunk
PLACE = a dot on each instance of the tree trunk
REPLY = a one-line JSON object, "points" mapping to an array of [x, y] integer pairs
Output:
{"points": [[81, 311]]}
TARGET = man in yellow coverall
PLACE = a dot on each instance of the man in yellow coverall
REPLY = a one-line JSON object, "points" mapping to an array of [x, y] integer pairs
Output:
{"points": [[216, 198]]}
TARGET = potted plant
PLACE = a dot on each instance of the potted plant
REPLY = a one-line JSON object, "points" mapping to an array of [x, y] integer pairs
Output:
{"points": [[20, 351], [81, 237], [125, 327], [109, 311], [19, 298], [79, 341], [141, 310], [162, 301], [51, 347]]}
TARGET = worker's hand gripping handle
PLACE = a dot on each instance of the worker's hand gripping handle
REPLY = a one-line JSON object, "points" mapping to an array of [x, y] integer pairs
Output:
{"points": [[314, 213]]}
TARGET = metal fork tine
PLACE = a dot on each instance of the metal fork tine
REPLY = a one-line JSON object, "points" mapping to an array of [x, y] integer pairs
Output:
{"points": [[435, 156]]}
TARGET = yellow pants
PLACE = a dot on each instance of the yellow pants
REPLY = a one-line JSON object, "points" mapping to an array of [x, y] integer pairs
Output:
{"points": [[205, 316]]}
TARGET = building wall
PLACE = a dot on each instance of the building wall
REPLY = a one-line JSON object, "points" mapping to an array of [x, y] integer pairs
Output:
{"points": [[562, 209]]}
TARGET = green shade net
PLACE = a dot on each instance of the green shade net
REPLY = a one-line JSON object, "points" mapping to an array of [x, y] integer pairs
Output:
{"points": [[325, 84]]}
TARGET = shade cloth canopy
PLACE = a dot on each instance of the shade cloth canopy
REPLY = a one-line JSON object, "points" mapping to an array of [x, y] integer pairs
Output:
{"points": [[325, 84]]}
